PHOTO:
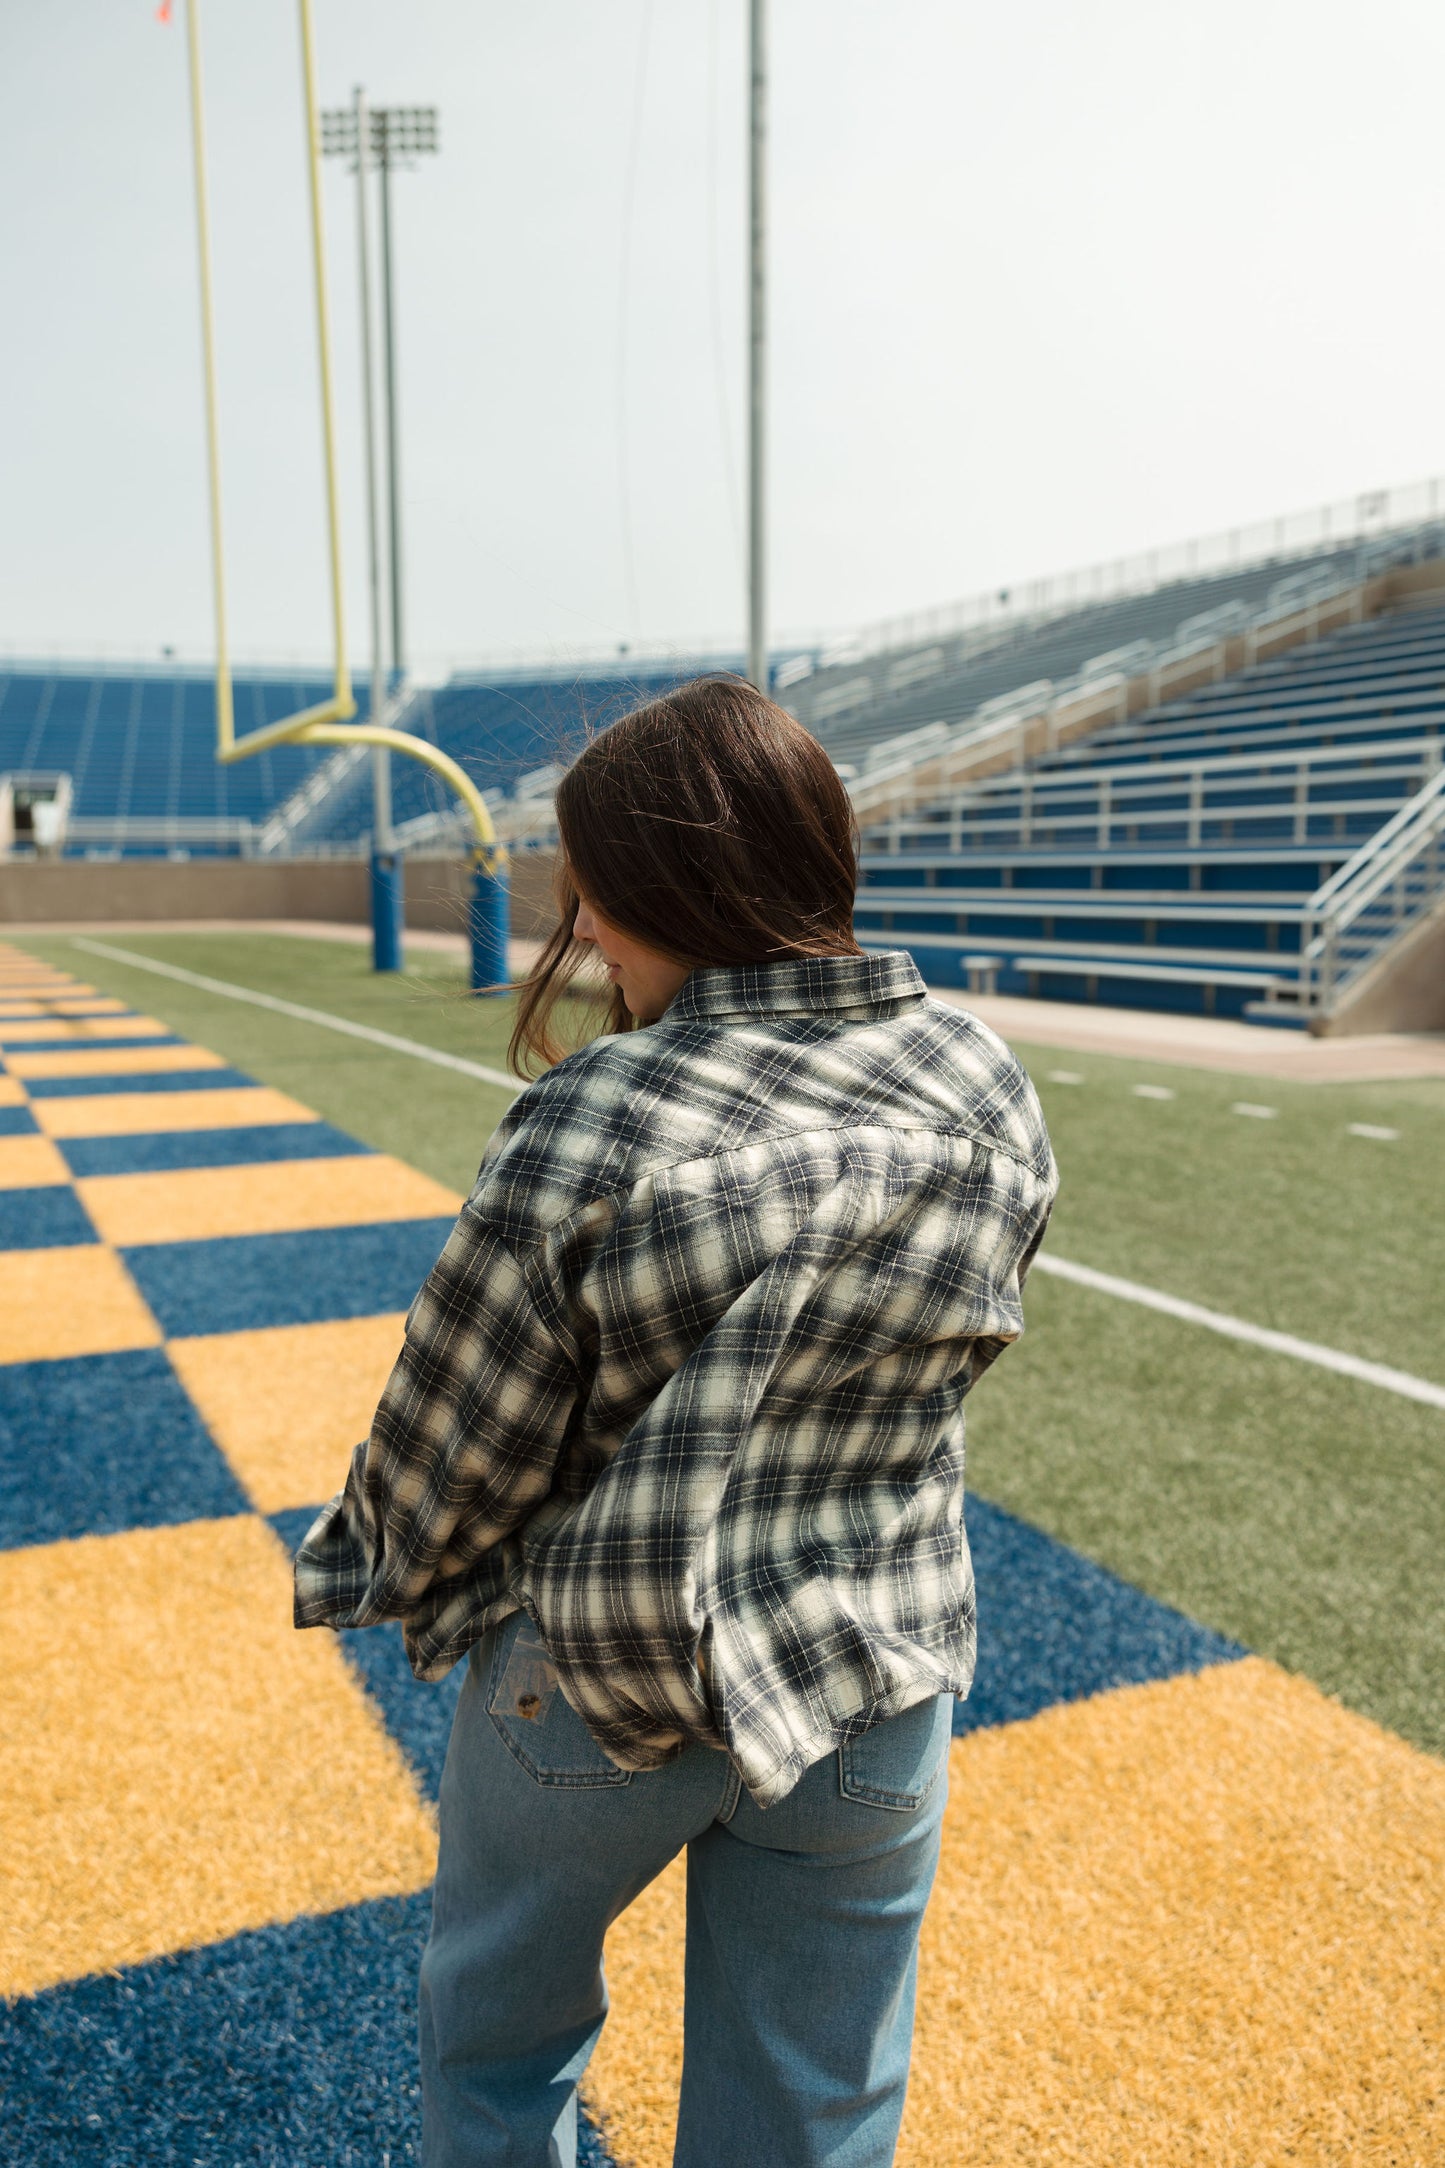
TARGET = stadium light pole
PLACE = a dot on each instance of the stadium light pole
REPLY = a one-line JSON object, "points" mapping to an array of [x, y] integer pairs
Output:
{"points": [[400, 134], [392, 135], [346, 132], [757, 345]]}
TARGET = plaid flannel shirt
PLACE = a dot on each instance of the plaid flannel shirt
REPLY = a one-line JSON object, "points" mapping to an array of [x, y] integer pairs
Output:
{"points": [[686, 1382]]}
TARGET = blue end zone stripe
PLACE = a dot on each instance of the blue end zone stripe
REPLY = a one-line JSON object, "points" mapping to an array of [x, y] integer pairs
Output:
{"points": [[90, 1046], [165, 1080], [17, 1122], [418, 1715], [42, 1219], [93, 1444], [239, 1283], [1053, 1626], [292, 2045], [174, 1150], [63, 1007]]}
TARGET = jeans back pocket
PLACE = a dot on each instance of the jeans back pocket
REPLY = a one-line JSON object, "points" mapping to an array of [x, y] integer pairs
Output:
{"points": [[535, 1721], [897, 1762]]}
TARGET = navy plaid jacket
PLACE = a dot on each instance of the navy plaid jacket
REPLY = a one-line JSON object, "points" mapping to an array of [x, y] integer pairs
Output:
{"points": [[686, 1382]]}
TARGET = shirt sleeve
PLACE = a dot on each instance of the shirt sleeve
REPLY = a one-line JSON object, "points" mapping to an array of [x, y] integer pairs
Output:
{"points": [[1020, 1238], [463, 1447]]}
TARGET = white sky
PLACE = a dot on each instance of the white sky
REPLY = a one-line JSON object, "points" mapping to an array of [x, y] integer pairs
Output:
{"points": [[1051, 282]]}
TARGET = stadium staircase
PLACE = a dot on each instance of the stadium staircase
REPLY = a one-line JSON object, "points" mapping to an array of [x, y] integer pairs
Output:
{"points": [[1250, 847]]}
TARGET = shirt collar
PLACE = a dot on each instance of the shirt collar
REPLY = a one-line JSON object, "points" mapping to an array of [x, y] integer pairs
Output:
{"points": [[861, 986]]}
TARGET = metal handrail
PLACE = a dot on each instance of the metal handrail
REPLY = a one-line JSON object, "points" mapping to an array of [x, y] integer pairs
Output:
{"points": [[1411, 844], [278, 830], [172, 828], [1151, 775], [1120, 795], [1100, 825], [1382, 841]]}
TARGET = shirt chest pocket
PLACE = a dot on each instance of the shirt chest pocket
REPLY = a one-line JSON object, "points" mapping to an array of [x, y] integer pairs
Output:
{"points": [[537, 1725]]}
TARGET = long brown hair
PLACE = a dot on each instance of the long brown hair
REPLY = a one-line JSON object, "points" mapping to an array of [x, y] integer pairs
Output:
{"points": [[708, 824]]}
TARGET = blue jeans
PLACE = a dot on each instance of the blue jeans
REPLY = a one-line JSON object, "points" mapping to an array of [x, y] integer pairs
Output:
{"points": [[802, 1930]]}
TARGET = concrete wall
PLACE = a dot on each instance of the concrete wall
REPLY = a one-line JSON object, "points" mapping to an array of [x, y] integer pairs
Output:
{"points": [[1404, 991], [437, 890], [96, 892]]}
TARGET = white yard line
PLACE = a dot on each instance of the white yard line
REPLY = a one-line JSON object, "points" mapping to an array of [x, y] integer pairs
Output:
{"points": [[388, 1039], [1236, 1328], [1104, 1283]]}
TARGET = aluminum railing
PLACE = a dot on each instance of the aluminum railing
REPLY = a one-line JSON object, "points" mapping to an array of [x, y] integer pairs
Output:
{"points": [[1375, 897], [1121, 799], [178, 833]]}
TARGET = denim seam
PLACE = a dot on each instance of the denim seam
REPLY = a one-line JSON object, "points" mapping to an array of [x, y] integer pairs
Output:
{"points": [[732, 1794]]}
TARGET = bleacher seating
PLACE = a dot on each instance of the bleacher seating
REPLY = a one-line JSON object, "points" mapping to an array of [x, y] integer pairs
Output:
{"points": [[1167, 862], [141, 746], [884, 695]]}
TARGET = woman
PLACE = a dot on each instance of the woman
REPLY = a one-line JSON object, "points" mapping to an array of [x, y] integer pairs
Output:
{"points": [[674, 1454]]}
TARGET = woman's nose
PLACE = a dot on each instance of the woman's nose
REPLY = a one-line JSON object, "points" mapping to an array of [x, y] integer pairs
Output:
{"points": [[582, 927]]}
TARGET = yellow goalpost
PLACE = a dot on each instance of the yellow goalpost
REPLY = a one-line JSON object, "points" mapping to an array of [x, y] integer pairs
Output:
{"points": [[329, 722]]}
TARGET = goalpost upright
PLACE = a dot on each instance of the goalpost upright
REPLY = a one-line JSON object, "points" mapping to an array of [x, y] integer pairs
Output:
{"points": [[328, 722]]}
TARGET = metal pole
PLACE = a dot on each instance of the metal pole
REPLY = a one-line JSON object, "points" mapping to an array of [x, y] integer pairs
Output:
{"points": [[381, 833], [757, 347], [388, 333], [385, 870], [225, 719], [341, 704]]}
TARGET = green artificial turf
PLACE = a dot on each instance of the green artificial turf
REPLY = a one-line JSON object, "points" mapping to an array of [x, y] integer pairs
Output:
{"points": [[1297, 1511], [1292, 1222]]}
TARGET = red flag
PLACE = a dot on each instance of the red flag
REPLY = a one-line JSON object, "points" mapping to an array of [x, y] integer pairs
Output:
{"points": [[163, 12]]}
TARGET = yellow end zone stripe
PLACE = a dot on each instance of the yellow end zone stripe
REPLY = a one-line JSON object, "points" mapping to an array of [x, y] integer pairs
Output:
{"points": [[111, 1061], [139, 1114], [60, 1302], [78, 1030], [254, 1199], [180, 1765], [287, 1403], [1192, 1921], [30, 1163]]}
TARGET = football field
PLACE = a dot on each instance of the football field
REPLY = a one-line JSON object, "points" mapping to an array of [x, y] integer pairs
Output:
{"points": [[1189, 1907]]}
